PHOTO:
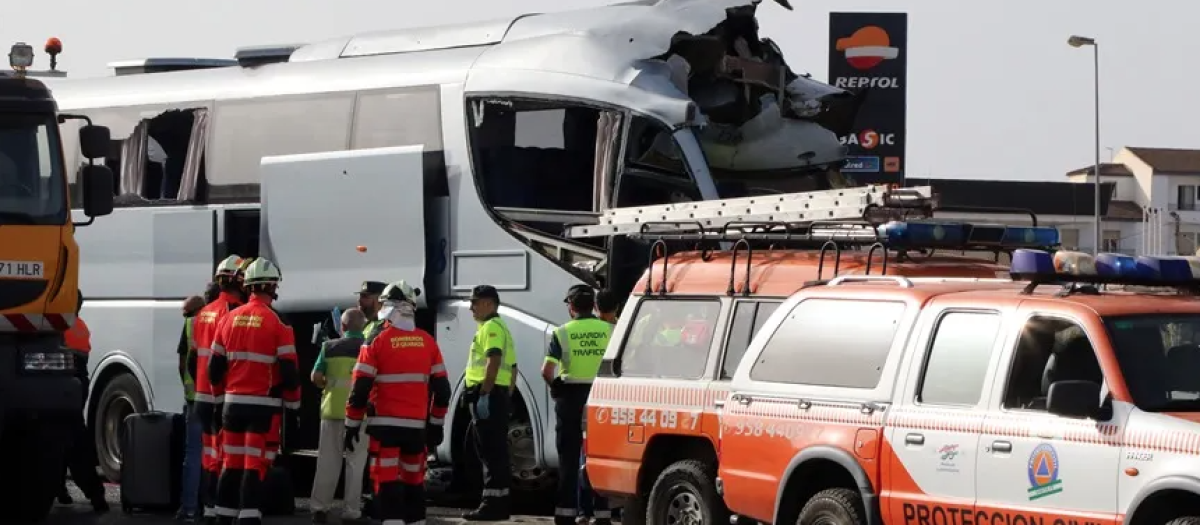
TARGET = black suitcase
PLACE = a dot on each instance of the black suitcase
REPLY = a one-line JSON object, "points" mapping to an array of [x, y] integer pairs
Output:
{"points": [[151, 461]]}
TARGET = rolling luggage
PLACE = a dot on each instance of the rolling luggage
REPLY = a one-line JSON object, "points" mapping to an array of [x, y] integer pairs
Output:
{"points": [[151, 462]]}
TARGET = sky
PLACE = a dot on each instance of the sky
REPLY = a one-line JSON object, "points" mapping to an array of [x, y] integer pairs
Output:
{"points": [[994, 91]]}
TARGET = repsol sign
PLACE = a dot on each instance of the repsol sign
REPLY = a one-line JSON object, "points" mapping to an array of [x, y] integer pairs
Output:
{"points": [[917, 514]]}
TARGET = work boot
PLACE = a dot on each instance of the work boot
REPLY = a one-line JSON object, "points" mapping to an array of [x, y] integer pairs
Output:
{"points": [[320, 517], [487, 513], [65, 496], [99, 504]]}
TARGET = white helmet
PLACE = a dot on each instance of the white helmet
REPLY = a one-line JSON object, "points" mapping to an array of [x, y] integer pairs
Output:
{"points": [[400, 292], [262, 271], [398, 297], [229, 267]]}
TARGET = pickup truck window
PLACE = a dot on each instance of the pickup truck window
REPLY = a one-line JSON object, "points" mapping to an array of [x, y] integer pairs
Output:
{"points": [[1050, 349], [957, 360], [670, 338], [1159, 356], [748, 318], [831, 342]]}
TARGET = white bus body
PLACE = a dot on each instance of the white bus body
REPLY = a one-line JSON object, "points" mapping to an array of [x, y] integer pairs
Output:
{"points": [[522, 127]]}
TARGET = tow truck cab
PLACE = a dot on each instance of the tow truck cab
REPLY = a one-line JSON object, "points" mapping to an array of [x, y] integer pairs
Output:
{"points": [[39, 292]]}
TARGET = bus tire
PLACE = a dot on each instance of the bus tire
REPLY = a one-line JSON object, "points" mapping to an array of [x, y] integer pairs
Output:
{"points": [[121, 397]]}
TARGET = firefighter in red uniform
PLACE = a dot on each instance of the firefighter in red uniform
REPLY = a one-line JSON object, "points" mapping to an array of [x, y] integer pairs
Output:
{"points": [[207, 404], [254, 360], [400, 380]]}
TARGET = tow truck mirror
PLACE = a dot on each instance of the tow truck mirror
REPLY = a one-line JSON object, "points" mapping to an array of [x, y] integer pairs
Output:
{"points": [[1074, 399], [97, 183], [94, 141]]}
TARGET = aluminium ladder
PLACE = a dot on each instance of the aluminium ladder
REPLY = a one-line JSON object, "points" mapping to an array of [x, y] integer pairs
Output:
{"points": [[788, 208]]}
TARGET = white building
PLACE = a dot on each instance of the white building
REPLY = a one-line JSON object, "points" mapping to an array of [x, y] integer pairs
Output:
{"points": [[1160, 184], [1150, 199]]}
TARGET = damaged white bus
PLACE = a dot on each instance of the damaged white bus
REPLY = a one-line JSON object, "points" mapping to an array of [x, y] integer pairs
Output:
{"points": [[521, 131]]}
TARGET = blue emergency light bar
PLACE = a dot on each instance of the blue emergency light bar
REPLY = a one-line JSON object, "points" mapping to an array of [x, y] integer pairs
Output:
{"points": [[1041, 266], [965, 236]]}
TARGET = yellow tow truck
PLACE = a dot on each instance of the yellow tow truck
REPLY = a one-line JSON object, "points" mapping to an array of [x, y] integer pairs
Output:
{"points": [[39, 280]]}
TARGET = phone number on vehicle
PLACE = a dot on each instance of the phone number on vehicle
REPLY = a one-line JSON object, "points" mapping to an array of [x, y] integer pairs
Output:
{"points": [[647, 417], [756, 428]]}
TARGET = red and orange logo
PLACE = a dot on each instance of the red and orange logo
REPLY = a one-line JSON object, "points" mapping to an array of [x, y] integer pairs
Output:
{"points": [[867, 48]]}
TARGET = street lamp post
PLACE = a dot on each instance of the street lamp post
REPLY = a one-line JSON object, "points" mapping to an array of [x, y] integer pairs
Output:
{"points": [[1083, 41]]}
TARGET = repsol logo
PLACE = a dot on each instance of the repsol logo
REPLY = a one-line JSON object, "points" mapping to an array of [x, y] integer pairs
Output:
{"points": [[939, 515], [588, 339]]}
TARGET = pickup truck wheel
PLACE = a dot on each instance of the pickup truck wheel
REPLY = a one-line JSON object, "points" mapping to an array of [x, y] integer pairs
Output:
{"points": [[685, 493], [833, 507], [122, 397], [1185, 520]]}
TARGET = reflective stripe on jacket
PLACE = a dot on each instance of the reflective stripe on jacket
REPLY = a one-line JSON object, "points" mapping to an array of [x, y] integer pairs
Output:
{"points": [[583, 342], [256, 343], [492, 334], [340, 357], [204, 331], [189, 383], [398, 367]]}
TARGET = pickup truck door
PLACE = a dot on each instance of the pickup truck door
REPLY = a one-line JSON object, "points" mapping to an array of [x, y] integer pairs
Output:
{"points": [[934, 427], [1036, 467]]}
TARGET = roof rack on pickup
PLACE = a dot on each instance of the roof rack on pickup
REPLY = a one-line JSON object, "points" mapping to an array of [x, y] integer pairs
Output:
{"points": [[831, 238]]}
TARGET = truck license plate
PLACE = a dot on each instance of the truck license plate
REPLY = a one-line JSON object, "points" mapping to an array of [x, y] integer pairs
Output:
{"points": [[21, 270]]}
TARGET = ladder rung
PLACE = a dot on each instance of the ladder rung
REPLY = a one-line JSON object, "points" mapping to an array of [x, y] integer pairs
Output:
{"points": [[832, 205]]}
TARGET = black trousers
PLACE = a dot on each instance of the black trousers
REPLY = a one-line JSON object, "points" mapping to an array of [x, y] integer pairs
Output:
{"points": [[569, 409], [82, 461], [209, 415], [398, 466], [491, 443], [244, 462]]}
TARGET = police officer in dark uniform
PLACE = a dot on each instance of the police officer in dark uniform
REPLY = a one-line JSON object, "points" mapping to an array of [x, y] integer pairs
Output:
{"points": [[575, 352]]}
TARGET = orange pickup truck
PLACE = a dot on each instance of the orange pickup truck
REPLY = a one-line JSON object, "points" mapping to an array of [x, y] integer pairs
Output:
{"points": [[932, 391]]}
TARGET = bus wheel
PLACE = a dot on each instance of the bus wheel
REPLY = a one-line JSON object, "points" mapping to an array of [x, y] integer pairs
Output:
{"points": [[121, 398], [528, 475]]}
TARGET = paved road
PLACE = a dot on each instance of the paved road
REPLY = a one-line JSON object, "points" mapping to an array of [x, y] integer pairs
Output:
{"points": [[81, 514]]}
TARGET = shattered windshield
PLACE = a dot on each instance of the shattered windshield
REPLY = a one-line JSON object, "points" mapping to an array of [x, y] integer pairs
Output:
{"points": [[32, 186], [1159, 357]]}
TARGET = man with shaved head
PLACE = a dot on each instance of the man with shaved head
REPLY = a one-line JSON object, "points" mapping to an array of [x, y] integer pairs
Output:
{"points": [[332, 374]]}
